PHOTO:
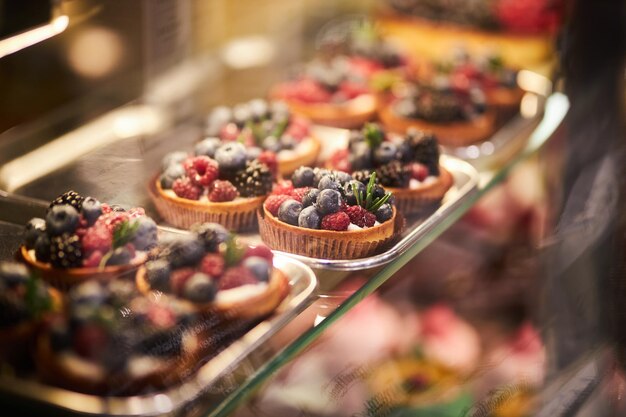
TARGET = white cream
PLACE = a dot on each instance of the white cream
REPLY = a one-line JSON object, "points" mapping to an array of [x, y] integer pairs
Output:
{"points": [[415, 184], [353, 227], [241, 293], [307, 145], [143, 365], [81, 367]]}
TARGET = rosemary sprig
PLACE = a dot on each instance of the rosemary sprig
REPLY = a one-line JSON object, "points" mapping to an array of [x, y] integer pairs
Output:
{"points": [[234, 250], [280, 128], [367, 201], [122, 234], [373, 135]]}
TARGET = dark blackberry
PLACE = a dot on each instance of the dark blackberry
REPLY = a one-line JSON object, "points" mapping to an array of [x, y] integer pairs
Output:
{"points": [[71, 197], [66, 251], [393, 174], [425, 151], [363, 176], [255, 180]]}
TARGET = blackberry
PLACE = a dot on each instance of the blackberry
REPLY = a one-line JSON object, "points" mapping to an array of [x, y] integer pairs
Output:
{"points": [[255, 180], [71, 197], [66, 251], [426, 151], [363, 176], [393, 174]]}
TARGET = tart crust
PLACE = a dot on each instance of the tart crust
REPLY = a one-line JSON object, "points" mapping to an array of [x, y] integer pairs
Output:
{"points": [[256, 306], [412, 200], [449, 134], [324, 243], [235, 215], [287, 165], [64, 279]]}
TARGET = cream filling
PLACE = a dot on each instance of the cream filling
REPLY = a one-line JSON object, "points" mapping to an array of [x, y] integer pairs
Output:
{"points": [[353, 227], [81, 367], [304, 147], [241, 293], [416, 185]]}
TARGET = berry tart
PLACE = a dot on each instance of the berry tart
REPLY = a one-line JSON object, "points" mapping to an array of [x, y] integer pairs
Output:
{"points": [[329, 91], [328, 214], [81, 239], [26, 303], [268, 130], [407, 166], [226, 189], [458, 115], [215, 273], [113, 341]]}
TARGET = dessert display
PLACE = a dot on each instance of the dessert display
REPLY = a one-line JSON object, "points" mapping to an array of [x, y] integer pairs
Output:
{"points": [[216, 273], [26, 303], [113, 341], [82, 238], [407, 166], [268, 131], [328, 214], [227, 188]]}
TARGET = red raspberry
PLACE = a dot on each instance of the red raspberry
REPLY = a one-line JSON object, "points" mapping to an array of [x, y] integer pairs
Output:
{"points": [[201, 170], [111, 220], [93, 260], [299, 193], [236, 277], [352, 90], [97, 238], [337, 221], [136, 212], [339, 161], [527, 16], [161, 316], [106, 208], [229, 131], [261, 250], [273, 202], [419, 171], [222, 191], [269, 158], [89, 341], [361, 217], [178, 278], [283, 187], [365, 67], [213, 265], [184, 188], [299, 128]]}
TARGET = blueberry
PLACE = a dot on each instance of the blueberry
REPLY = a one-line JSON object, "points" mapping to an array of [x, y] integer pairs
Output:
{"points": [[253, 152], [211, 235], [287, 142], [349, 193], [158, 274], [342, 177], [310, 198], [220, 116], [13, 273], [42, 248], [259, 266], [361, 156], [145, 236], [91, 210], [303, 177], [89, 293], [241, 114], [171, 174], [61, 219], [231, 156], [378, 192], [207, 147], [319, 173], [289, 211], [185, 251], [405, 153], [258, 108], [385, 153], [120, 256], [328, 202], [34, 228], [271, 144], [200, 288], [309, 218], [384, 213], [329, 182], [176, 157]]}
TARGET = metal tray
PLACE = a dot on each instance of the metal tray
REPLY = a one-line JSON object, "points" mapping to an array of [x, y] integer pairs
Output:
{"points": [[302, 284]]}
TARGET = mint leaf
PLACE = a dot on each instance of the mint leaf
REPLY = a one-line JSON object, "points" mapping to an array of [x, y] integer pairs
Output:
{"points": [[124, 233]]}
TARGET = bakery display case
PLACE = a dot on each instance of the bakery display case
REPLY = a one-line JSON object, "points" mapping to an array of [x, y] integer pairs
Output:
{"points": [[378, 208]]}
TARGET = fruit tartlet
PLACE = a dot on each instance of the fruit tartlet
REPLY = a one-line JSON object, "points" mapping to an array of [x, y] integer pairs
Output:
{"points": [[407, 166], [329, 92], [227, 188], [458, 116], [328, 214], [262, 127], [113, 341], [25, 304], [82, 238], [216, 274]]}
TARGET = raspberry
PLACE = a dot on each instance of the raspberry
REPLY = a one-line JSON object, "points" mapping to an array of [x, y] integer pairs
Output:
{"points": [[212, 264], [273, 202], [111, 220], [340, 161], [337, 221], [527, 16], [97, 238], [89, 340], [361, 217], [106, 208], [299, 193], [419, 171], [222, 191], [261, 251], [229, 131], [352, 90], [178, 278], [93, 260], [283, 187], [201, 170], [236, 277], [269, 158], [298, 128], [305, 90], [184, 188], [161, 316], [136, 212]]}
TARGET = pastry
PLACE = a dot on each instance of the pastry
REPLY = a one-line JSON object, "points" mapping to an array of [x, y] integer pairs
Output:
{"points": [[82, 239], [225, 189], [406, 165], [216, 273], [328, 214], [262, 127]]}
